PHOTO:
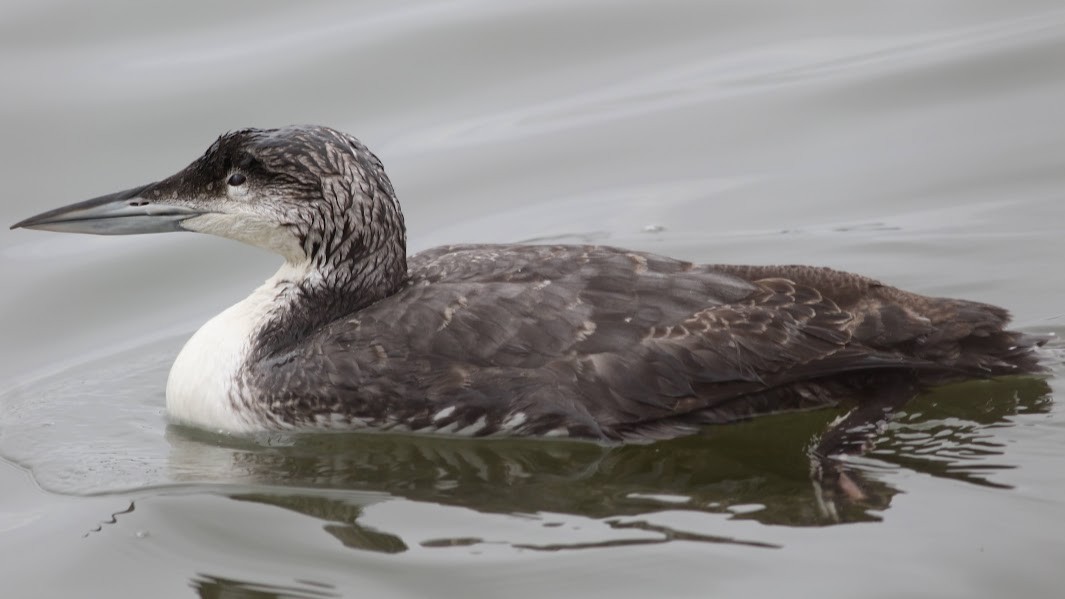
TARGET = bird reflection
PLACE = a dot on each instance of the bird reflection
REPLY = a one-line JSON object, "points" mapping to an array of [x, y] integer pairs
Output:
{"points": [[217, 587], [802, 469]]}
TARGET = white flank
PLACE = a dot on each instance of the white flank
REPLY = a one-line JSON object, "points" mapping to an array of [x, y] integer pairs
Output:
{"points": [[513, 421], [472, 429], [444, 413]]}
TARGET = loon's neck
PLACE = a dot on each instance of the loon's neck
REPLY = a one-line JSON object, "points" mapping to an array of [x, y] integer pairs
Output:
{"points": [[324, 291], [205, 387], [211, 383]]}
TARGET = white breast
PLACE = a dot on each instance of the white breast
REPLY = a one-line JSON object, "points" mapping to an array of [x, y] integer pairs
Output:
{"points": [[203, 388]]}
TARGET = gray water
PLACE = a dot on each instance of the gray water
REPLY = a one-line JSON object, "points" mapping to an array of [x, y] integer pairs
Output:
{"points": [[921, 143]]}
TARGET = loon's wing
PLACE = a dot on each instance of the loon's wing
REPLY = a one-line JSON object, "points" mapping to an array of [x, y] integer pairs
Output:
{"points": [[594, 342]]}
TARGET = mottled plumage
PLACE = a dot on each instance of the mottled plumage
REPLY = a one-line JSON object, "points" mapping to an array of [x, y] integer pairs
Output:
{"points": [[579, 341]]}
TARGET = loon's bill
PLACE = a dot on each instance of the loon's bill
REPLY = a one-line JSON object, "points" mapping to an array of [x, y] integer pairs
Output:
{"points": [[128, 212]]}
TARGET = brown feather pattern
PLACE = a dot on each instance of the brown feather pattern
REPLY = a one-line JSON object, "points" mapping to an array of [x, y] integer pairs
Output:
{"points": [[585, 341]]}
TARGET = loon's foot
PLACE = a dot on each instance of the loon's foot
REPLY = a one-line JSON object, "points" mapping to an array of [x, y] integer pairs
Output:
{"points": [[834, 479]]}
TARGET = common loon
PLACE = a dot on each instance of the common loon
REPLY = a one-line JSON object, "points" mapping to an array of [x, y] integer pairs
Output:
{"points": [[584, 341]]}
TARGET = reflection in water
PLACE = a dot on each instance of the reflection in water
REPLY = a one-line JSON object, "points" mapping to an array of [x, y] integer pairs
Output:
{"points": [[802, 469], [758, 470], [950, 433], [216, 587]]}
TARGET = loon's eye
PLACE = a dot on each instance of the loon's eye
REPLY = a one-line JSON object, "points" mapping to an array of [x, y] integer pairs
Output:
{"points": [[237, 179]]}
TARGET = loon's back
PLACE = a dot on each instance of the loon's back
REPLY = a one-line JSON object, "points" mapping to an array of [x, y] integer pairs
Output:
{"points": [[604, 343]]}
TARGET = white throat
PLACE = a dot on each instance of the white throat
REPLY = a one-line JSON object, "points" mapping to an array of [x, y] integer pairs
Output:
{"points": [[205, 387]]}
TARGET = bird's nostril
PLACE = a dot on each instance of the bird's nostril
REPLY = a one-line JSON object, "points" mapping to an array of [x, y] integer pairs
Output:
{"points": [[139, 203]]}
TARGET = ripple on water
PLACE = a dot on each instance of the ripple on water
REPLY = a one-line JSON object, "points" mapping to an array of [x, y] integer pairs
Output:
{"points": [[93, 427]]}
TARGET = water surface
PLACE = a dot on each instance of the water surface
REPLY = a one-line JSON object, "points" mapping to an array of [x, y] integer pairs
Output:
{"points": [[917, 142]]}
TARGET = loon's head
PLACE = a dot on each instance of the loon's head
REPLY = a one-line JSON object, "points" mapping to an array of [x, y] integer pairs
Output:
{"points": [[304, 192]]}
